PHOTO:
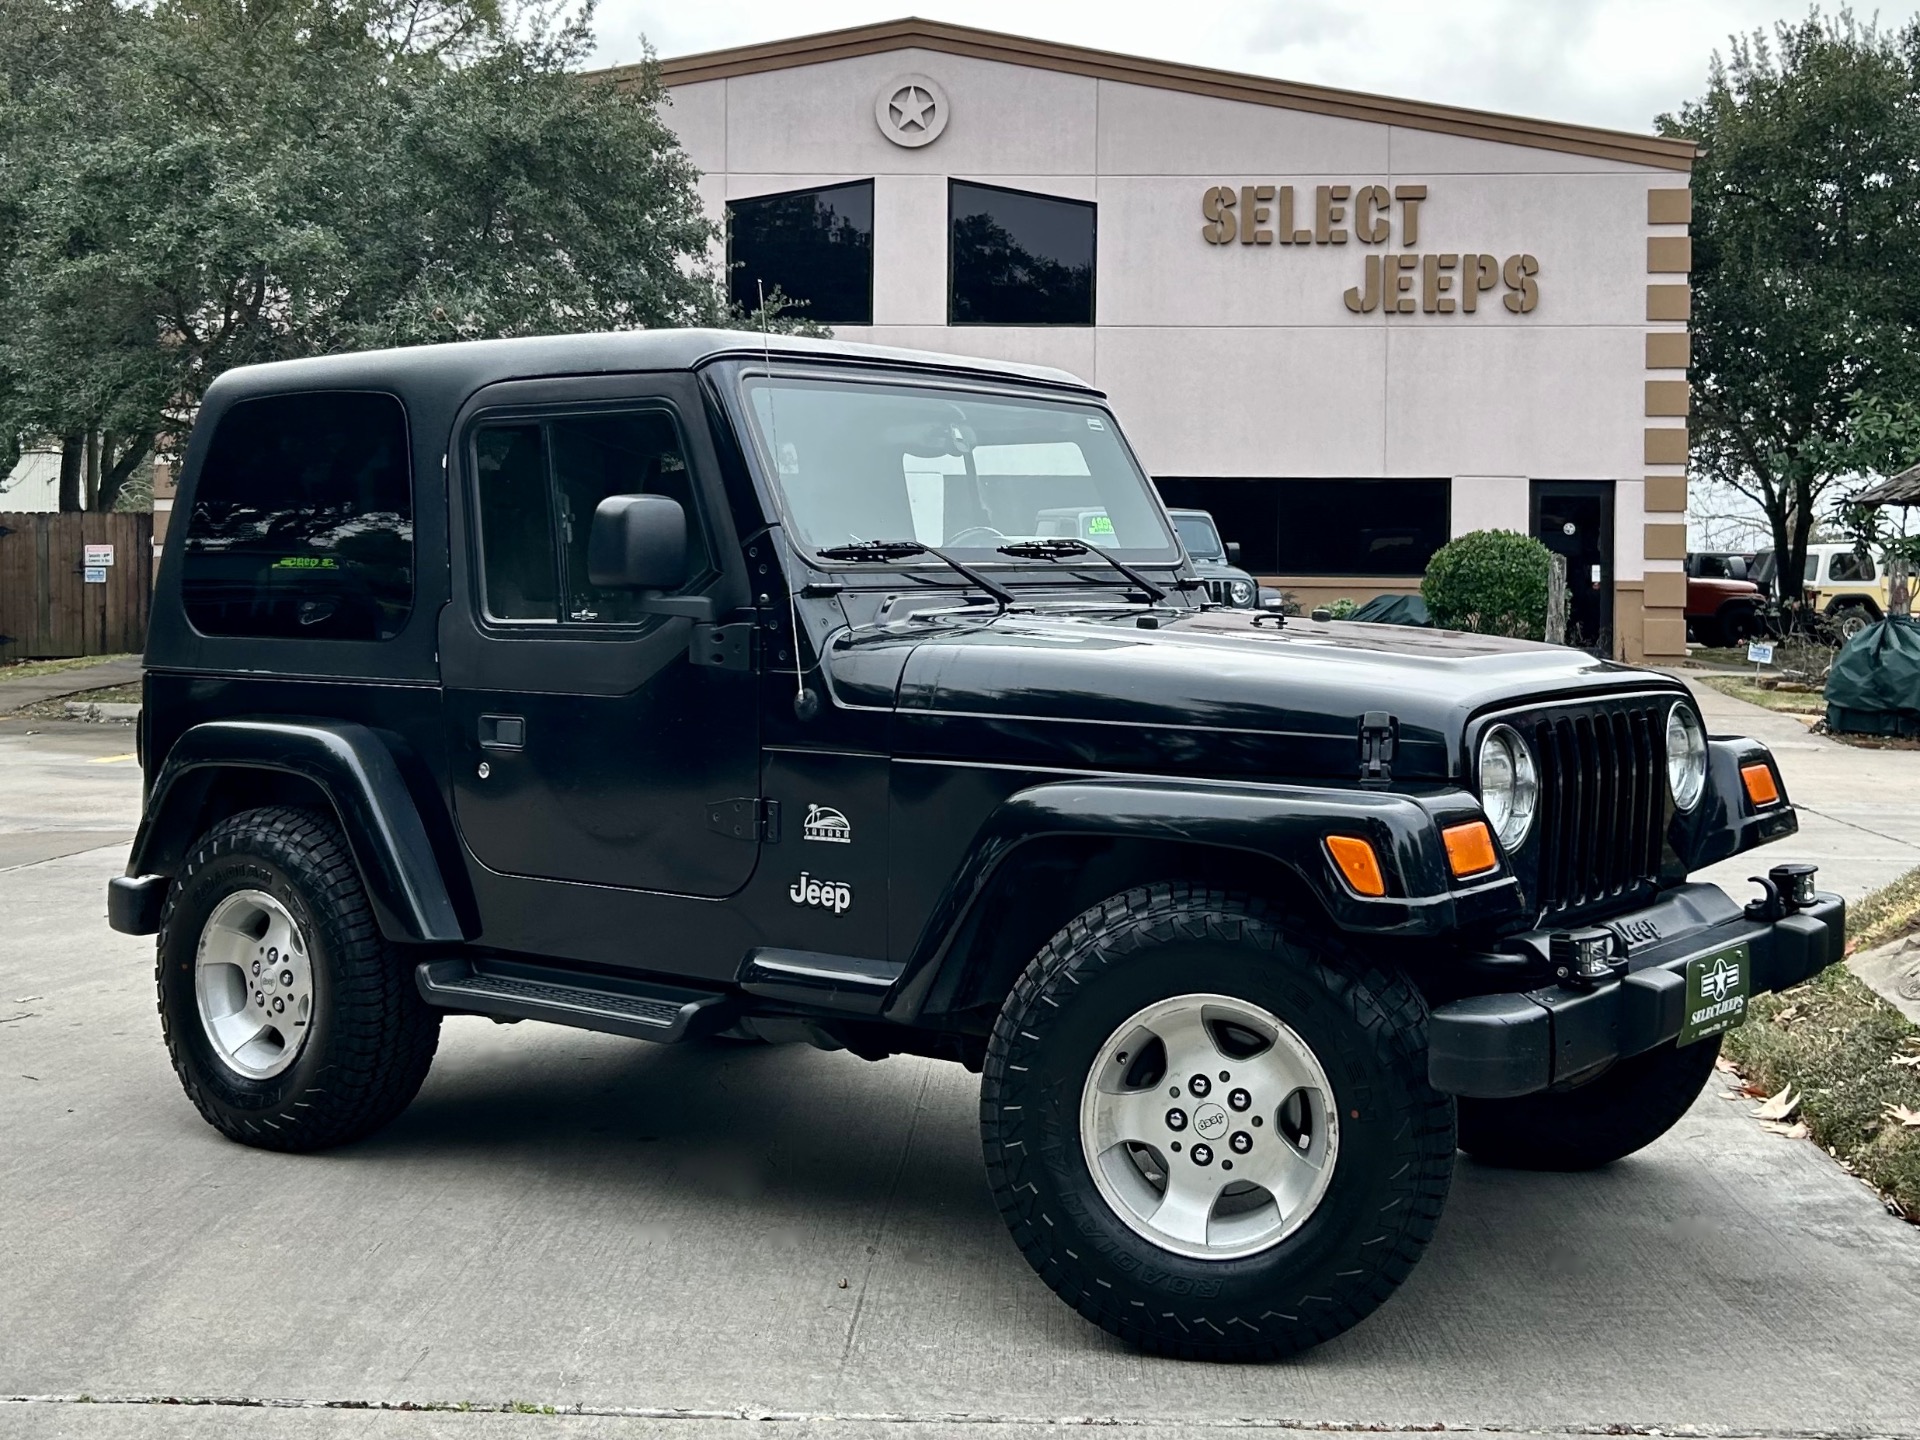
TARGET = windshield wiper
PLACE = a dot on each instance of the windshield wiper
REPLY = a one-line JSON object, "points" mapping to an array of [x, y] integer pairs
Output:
{"points": [[1059, 548], [901, 549]]}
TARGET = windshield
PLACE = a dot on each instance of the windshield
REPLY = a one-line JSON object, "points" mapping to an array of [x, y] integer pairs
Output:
{"points": [[1199, 536], [965, 473]]}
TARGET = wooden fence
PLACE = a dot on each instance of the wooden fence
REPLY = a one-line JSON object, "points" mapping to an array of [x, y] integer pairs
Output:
{"points": [[53, 603]]}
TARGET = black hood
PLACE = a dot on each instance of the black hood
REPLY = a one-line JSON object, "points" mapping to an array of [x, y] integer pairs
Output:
{"points": [[1215, 692]]}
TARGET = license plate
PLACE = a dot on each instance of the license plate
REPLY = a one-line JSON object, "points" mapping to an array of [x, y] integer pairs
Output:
{"points": [[1718, 987]]}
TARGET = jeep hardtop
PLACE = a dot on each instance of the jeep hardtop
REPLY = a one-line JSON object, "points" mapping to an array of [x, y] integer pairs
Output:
{"points": [[707, 687]]}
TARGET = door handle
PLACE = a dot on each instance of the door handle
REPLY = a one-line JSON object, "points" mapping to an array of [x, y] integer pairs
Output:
{"points": [[503, 732]]}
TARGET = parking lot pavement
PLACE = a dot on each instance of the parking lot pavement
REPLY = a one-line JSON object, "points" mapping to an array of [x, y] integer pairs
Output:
{"points": [[571, 1219], [1859, 809]]}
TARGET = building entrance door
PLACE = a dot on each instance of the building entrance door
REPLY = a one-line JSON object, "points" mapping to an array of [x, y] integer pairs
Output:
{"points": [[1575, 518]]}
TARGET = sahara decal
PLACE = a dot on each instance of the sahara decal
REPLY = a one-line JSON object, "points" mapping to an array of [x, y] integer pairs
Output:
{"points": [[827, 824]]}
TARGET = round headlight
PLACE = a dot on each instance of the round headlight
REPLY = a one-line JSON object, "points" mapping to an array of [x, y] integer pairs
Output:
{"points": [[1509, 785], [1242, 592], [1686, 756]]}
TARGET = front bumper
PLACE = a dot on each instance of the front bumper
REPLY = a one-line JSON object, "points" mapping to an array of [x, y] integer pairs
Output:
{"points": [[1518, 1043]]}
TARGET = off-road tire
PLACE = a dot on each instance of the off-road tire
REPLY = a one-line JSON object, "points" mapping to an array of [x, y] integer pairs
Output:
{"points": [[1738, 623], [1849, 620], [1366, 1025], [371, 1039], [1626, 1108]]}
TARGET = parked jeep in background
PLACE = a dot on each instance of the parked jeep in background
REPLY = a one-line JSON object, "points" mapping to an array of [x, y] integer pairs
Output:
{"points": [[1215, 561], [1724, 607], [1845, 586], [693, 684]]}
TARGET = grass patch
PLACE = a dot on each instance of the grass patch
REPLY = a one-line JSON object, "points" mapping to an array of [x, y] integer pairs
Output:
{"points": [[1787, 702], [1886, 914], [56, 708], [29, 669], [1855, 1061]]}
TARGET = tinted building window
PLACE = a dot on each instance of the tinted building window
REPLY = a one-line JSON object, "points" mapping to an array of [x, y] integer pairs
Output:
{"points": [[1325, 527], [302, 523], [814, 245], [1018, 259]]}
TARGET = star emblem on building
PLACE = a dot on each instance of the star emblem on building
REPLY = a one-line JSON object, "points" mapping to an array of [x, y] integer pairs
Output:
{"points": [[912, 110], [910, 106]]}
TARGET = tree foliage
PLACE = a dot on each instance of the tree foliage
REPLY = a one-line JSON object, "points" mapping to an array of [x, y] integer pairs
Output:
{"points": [[1806, 258], [189, 185], [1493, 582]]}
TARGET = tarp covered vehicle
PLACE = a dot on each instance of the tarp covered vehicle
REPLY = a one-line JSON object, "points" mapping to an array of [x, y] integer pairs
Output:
{"points": [[1874, 687]]}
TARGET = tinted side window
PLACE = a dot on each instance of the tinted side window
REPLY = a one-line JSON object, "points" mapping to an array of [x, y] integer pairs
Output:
{"points": [[302, 523], [538, 484], [1019, 259], [1851, 566], [815, 245]]}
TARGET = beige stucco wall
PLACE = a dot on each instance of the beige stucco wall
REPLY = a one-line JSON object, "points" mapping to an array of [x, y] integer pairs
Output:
{"points": [[1243, 360]]}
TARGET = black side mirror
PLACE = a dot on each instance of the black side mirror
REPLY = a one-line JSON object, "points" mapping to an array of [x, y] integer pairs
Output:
{"points": [[1233, 552], [638, 542]]}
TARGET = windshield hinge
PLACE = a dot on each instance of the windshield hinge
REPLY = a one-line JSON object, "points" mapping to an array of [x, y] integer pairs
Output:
{"points": [[726, 647], [1379, 733], [749, 819]]}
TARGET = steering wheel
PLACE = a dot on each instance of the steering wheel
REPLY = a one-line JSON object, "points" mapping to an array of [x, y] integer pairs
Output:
{"points": [[986, 530]]}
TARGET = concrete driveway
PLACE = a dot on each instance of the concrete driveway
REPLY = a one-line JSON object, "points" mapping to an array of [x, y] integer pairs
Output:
{"points": [[687, 1240], [1859, 809]]}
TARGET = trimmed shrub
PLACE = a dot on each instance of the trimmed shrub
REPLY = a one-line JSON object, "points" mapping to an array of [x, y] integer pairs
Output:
{"points": [[1493, 582]]}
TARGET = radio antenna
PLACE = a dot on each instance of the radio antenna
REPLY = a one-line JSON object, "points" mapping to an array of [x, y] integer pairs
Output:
{"points": [[801, 700]]}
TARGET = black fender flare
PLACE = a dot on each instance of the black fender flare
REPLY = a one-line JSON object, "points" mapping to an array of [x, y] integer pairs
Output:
{"points": [[1285, 823], [356, 771]]}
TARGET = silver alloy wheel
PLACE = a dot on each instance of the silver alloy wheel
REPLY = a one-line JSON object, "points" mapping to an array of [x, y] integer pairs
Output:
{"points": [[253, 981], [1209, 1126]]}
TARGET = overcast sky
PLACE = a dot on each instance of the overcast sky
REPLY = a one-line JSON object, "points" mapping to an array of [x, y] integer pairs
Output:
{"points": [[1616, 63]]}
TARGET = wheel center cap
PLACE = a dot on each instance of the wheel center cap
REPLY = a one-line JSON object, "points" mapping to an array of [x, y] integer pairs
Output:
{"points": [[1210, 1121]]}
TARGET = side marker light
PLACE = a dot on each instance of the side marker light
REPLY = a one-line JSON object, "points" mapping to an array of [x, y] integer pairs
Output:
{"points": [[1358, 864]]}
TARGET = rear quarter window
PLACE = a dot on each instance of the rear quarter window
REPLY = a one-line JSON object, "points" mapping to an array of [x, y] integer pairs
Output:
{"points": [[302, 522]]}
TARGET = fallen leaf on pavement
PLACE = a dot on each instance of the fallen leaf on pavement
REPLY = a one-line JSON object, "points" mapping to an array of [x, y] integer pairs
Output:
{"points": [[1908, 1118], [1795, 1131], [1779, 1107], [1725, 1066]]}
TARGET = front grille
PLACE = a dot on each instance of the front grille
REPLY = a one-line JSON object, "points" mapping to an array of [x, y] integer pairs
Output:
{"points": [[1603, 800], [1220, 591]]}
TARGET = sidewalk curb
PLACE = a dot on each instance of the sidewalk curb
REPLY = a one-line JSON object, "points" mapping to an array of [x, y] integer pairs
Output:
{"points": [[103, 711]]}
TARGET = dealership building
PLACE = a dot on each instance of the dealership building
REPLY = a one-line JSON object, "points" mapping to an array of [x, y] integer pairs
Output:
{"points": [[1350, 326]]}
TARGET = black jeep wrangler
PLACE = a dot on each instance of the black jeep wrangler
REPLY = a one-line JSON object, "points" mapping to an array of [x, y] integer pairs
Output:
{"points": [[697, 686]]}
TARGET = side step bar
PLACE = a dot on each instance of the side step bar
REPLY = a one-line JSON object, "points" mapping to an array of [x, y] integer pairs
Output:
{"points": [[513, 991]]}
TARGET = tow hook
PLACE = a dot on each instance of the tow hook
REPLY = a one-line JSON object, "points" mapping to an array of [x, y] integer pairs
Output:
{"points": [[1789, 890]]}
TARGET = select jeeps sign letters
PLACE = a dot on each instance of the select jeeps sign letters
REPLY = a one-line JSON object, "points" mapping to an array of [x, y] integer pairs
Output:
{"points": [[1446, 282]]}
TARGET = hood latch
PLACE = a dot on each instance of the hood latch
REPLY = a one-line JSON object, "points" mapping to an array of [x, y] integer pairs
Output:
{"points": [[1379, 733]]}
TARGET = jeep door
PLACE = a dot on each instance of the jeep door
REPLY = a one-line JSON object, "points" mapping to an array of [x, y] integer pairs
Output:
{"points": [[586, 743]]}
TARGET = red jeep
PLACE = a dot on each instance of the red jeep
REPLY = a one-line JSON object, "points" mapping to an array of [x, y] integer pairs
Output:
{"points": [[1723, 605]]}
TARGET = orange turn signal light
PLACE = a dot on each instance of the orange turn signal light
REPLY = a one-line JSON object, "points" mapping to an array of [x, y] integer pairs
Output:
{"points": [[1762, 788], [1358, 863], [1469, 848]]}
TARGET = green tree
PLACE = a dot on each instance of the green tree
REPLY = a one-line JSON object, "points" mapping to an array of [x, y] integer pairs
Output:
{"points": [[1806, 257], [191, 185]]}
